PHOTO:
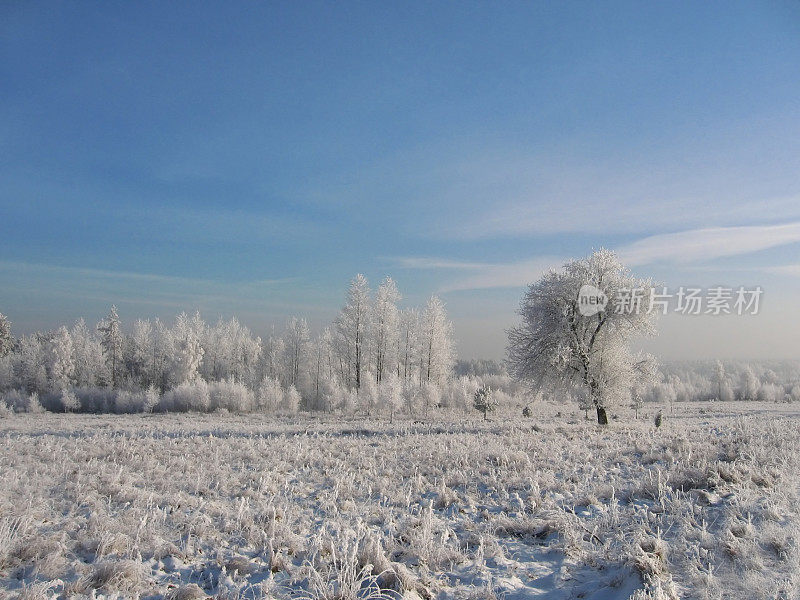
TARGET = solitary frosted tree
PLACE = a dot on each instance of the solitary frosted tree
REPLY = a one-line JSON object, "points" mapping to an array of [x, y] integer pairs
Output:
{"points": [[111, 341], [565, 339]]}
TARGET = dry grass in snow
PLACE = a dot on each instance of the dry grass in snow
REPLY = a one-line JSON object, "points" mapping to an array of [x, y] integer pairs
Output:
{"points": [[195, 506]]}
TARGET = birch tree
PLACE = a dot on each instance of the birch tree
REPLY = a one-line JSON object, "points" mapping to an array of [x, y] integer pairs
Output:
{"points": [[296, 341], [111, 342], [352, 327], [385, 327], [437, 342]]}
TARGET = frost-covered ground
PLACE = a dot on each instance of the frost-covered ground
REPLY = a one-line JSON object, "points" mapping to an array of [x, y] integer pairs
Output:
{"points": [[189, 506]]}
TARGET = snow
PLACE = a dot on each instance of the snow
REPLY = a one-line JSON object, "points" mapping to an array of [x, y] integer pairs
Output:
{"points": [[175, 505]]}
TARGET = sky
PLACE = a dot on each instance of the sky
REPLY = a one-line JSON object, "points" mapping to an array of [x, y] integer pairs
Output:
{"points": [[248, 159]]}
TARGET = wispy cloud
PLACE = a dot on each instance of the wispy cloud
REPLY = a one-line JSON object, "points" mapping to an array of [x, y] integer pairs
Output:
{"points": [[791, 270], [516, 274], [423, 262], [698, 245], [588, 214], [482, 275], [683, 247], [132, 288]]}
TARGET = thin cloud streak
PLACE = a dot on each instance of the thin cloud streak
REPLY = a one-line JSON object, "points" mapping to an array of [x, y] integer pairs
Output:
{"points": [[425, 263], [526, 217], [707, 244], [693, 246], [791, 270]]}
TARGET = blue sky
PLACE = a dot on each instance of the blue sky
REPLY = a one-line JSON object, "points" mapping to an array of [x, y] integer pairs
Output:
{"points": [[250, 158]]}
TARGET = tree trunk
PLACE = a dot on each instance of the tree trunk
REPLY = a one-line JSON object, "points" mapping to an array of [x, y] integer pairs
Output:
{"points": [[602, 417]]}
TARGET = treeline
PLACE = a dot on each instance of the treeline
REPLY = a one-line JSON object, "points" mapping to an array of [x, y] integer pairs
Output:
{"points": [[768, 381], [375, 356]]}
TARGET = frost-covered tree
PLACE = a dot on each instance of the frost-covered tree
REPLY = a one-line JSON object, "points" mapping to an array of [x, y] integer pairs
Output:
{"points": [[720, 377], [430, 396], [69, 401], [323, 368], [408, 343], [6, 341], [749, 385], [60, 359], [230, 352], [141, 351], [187, 353], [273, 358], [111, 341], [385, 322], [368, 396], [29, 364], [437, 342], [291, 400], [90, 366], [162, 354], [485, 401], [556, 343], [151, 399], [390, 394], [794, 394], [269, 395], [296, 348], [769, 392], [352, 327]]}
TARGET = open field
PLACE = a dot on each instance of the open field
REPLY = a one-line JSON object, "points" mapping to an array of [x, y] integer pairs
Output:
{"points": [[189, 506]]}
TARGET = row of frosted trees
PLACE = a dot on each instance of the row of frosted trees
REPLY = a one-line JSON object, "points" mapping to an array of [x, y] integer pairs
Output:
{"points": [[733, 380], [374, 356]]}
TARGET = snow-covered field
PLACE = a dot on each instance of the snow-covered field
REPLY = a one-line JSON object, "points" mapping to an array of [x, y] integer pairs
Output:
{"points": [[189, 506]]}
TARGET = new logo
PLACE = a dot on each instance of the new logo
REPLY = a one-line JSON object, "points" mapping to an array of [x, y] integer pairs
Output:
{"points": [[591, 300]]}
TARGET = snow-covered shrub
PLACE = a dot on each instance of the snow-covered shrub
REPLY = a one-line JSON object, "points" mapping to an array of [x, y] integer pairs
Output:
{"points": [[390, 394], [349, 401], [412, 397], [97, 399], [34, 406], [430, 396], [331, 396], [291, 400], [368, 394], [230, 395], [151, 399], [189, 396], [16, 400], [769, 392], [6, 373], [127, 402], [795, 394], [459, 392], [269, 395], [69, 401]]}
